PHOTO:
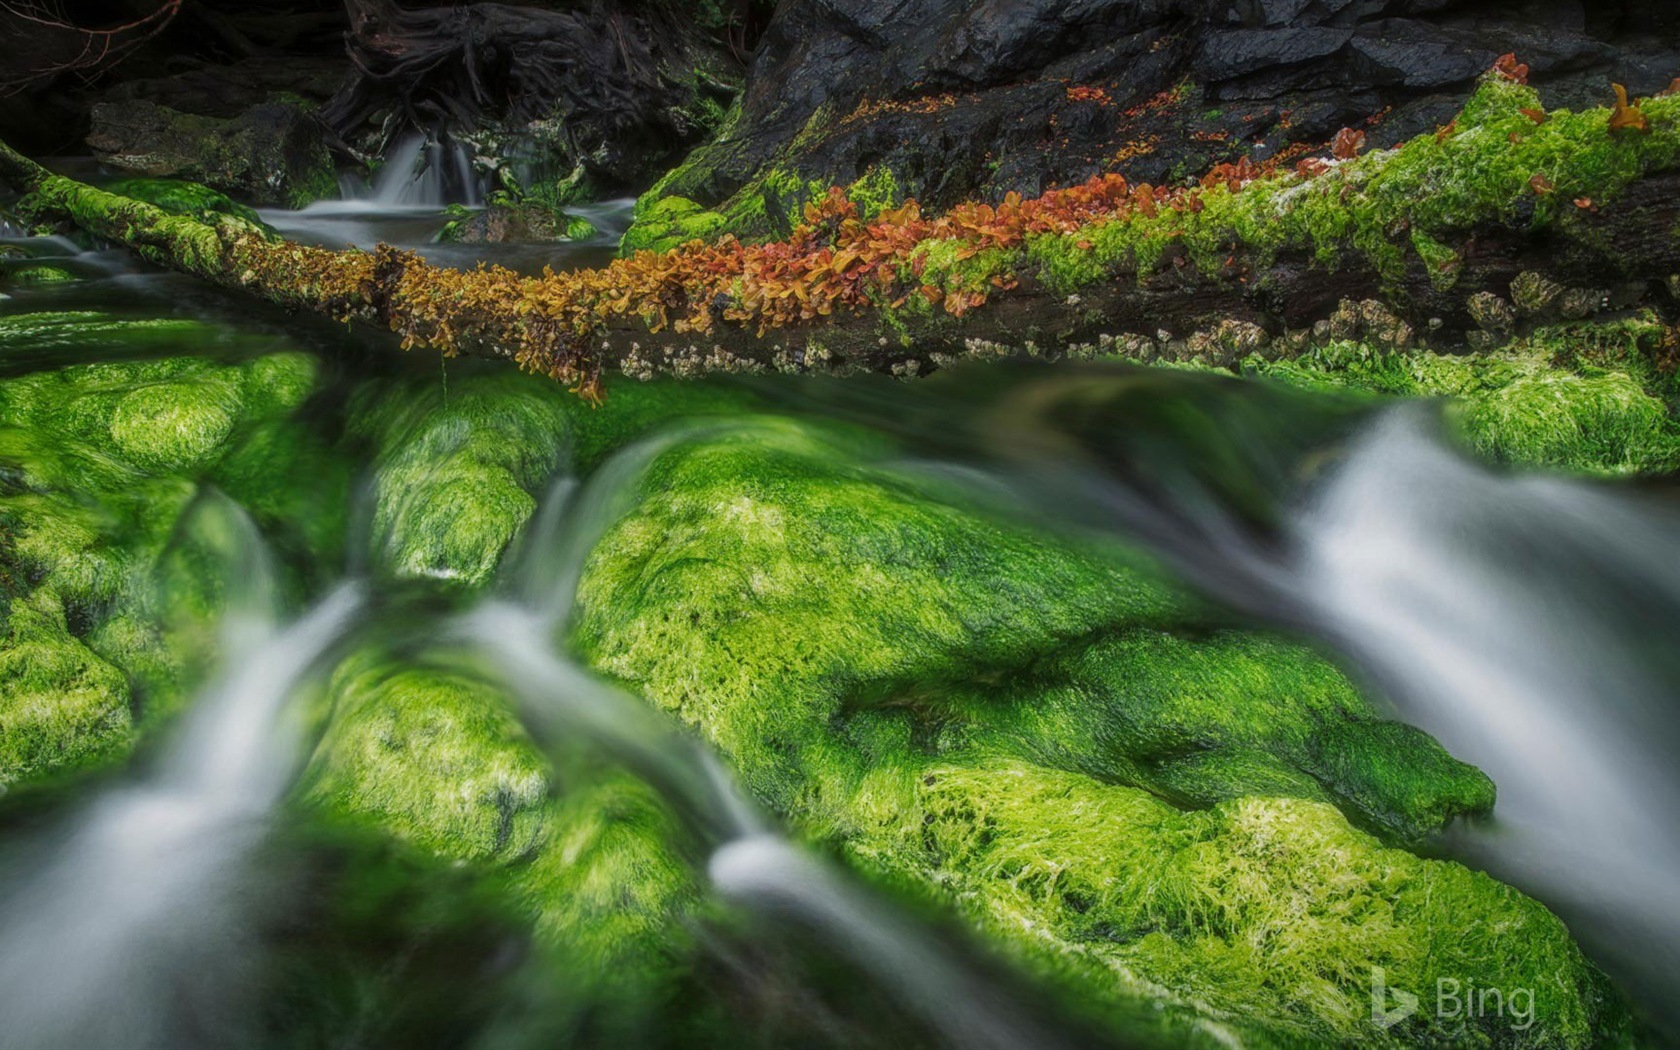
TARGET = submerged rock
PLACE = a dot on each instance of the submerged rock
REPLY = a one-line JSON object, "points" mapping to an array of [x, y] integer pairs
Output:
{"points": [[501, 224]]}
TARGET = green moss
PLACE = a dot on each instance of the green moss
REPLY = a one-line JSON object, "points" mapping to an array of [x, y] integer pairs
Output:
{"points": [[431, 758], [102, 539], [436, 760], [954, 266], [769, 206], [191, 199], [38, 273], [669, 223], [1422, 197], [805, 581], [1265, 916], [174, 426], [1206, 719], [456, 469], [1585, 398], [61, 705], [932, 692]]}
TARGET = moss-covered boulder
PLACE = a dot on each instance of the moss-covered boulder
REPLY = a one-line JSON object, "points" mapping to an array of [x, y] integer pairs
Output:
{"points": [[1264, 916], [272, 152], [993, 718], [110, 583], [460, 463], [591, 857], [1201, 717], [457, 469]]}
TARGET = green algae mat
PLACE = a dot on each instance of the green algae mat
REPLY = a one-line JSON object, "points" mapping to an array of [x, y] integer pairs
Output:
{"points": [[1153, 822]]}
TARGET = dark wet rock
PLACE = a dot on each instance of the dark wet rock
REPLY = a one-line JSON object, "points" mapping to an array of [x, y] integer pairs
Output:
{"points": [[271, 153], [960, 100]]}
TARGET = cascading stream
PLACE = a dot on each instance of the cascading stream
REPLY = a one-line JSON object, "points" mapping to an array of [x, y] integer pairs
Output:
{"points": [[1522, 619], [750, 865], [1512, 617], [129, 931]]}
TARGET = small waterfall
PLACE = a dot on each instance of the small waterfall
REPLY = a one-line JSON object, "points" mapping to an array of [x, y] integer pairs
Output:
{"points": [[127, 933], [749, 865], [421, 172]]}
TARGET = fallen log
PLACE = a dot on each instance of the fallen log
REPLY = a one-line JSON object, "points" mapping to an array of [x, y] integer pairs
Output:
{"points": [[1509, 217]]}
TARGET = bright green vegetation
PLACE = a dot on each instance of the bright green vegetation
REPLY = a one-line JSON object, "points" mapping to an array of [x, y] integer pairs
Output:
{"points": [[1587, 398], [1199, 719], [460, 465], [986, 716], [598, 869], [769, 206], [108, 579], [1193, 830], [1266, 913], [457, 470], [1419, 198], [179, 197]]}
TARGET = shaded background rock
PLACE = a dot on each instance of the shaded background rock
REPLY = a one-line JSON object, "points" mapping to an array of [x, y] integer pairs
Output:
{"points": [[961, 100]]}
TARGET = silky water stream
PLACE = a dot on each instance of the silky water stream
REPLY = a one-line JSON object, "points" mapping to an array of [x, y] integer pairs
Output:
{"points": [[1522, 619]]}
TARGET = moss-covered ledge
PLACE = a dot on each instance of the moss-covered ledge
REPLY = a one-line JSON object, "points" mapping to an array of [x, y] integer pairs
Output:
{"points": [[1584, 202]]}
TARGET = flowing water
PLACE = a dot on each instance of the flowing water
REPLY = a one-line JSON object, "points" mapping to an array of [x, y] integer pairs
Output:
{"points": [[128, 926], [1524, 620]]}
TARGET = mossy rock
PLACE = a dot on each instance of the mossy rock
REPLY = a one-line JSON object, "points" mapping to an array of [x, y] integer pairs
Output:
{"points": [[108, 581], [516, 223], [431, 758], [179, 197], [1207, 717], [669, 223], [771, 578], [61, 705], [1585, 398], [27, 274], [436, 760], [932, 692], [457, 471], [175, 426], [1265, 916]]}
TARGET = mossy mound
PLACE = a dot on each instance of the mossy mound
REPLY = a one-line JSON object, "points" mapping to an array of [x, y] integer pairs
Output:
{"points": [[772, 578], [1206, 717], [179, 197], [1586, 398], [459, 464], [669, 222], [431, 758], [925, 689], [35, 273], [111, 596], [61, 705], [770, 206], [457, 470], [436, 759], [1267, 914]]}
